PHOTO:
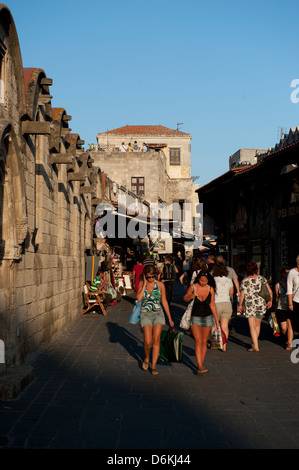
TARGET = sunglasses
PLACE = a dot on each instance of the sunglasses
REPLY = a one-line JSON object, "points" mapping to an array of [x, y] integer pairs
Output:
{"points": [[149, 277]]}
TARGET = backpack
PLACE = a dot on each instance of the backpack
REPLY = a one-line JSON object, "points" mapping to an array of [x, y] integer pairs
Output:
{"points": [[168, 272]]}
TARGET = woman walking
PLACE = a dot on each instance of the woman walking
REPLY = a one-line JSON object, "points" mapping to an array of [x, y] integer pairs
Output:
{"points": [[293, 293], [202, 317], [283, 313], [255, 306], [152, 294], [223, 294]]}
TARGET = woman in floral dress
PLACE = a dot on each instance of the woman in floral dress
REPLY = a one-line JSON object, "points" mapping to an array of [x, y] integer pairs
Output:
{"points": [[255, 306]]}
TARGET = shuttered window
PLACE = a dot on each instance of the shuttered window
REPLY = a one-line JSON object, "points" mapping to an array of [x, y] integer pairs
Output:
{"points": [[137, 185], [175, 156]]}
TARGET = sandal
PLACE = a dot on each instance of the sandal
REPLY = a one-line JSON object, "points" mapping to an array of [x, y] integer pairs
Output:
{"points": [[154, 372], [253, 350], [201, 371], [145, 365]]}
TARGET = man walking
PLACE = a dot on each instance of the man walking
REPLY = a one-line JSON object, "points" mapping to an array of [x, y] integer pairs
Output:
{"points": [[168, 277]]}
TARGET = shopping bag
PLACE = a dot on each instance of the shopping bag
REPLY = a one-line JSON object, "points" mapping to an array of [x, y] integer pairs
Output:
{"points": [[186, 318], [135, 314], [224, 338], [171, 346], [216, 340], [274, 324]]}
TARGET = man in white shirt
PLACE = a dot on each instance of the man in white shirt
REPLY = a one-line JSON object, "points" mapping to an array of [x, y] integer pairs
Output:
{"points": [[123, 147]]}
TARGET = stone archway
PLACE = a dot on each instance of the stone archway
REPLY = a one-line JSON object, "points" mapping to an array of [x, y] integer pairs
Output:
{"points": [[13, 217]]}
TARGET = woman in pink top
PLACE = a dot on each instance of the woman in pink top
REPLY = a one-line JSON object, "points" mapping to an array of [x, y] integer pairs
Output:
{"points": [[137, 270]]}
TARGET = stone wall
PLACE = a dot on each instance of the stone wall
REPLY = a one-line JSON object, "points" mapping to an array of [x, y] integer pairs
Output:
{"points": [[45, 207], [121, 167]]}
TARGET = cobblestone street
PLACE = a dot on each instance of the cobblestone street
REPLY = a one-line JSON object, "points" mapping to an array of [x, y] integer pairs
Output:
{"points": [[89, 392]]}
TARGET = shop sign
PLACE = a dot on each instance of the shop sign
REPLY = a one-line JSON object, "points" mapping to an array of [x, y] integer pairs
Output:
{"points": [[290, 211]]}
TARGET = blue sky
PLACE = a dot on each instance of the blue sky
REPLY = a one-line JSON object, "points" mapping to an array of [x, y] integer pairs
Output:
{"points": [[223, 69]]}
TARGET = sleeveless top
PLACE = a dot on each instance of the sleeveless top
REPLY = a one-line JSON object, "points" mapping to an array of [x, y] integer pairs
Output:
{"points": [[201, 308], [151, 302], [283, 301]]}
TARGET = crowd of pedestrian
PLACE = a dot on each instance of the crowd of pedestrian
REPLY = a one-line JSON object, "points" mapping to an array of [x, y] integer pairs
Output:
{"points": [[213, 288]]}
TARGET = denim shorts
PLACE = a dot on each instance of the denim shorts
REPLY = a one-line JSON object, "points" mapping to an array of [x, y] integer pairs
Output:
{"points": [[259, 316], [150, 319], [202, 321]]}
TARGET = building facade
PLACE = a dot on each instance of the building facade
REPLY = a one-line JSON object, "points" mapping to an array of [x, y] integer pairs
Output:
{"points": [[255, 209], [175, 144], [161, 175]]}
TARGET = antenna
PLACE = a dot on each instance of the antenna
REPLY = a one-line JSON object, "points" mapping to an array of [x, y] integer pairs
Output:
{"points": [[280, 133], [178, 124]]}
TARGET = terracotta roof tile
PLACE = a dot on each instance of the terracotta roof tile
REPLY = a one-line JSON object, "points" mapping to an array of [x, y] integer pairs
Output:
{"points": [[144, 130], [246, 169]]}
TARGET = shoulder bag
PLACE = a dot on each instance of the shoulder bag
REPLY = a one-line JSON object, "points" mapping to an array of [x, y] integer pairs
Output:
{"points": [[135, 314], [264, 291], [186, 318]]}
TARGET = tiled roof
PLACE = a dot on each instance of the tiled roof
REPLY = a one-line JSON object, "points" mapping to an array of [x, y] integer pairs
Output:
{"points": [[234, 172], [144, 130]]}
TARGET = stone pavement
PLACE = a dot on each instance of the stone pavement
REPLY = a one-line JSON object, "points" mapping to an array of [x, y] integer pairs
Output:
{"points": [[89, 392]]}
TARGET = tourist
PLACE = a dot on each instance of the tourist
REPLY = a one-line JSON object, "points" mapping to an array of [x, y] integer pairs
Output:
{"points": [[223, 294], [137, 270], [129, 260], [130, 148], [187, 263], [231, 273], [283, 313], [203, 316], [293, 294], [168, 276], [100, 284], [211, 262], [255, 305], [136, 147], [148, 260], [123, 147], [152, 294]]}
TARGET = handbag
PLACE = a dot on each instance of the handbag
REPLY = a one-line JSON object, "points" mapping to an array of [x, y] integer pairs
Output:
{"points": [[135, 314], [171, 346], [186, 318], [264, 293]]}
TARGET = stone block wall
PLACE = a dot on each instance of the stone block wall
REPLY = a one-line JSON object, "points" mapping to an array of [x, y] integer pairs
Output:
{"points": [[121, 167], [45, 220]]}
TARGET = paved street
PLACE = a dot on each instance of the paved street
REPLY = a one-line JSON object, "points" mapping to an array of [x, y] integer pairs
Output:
{"points": [[90, 392]]}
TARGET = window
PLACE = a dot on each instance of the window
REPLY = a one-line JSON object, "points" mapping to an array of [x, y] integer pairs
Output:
{"points": [[175, 156], [137, 185]]}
